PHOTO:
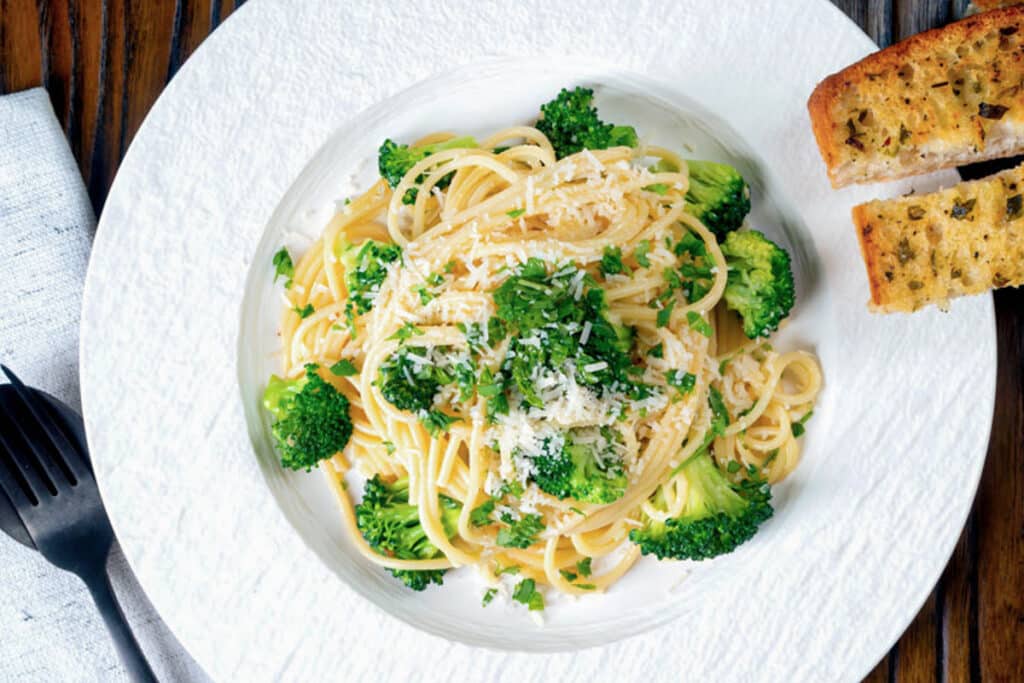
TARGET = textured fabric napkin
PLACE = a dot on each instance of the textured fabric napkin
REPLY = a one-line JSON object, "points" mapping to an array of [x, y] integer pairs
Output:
{"points": [[49, 628]]}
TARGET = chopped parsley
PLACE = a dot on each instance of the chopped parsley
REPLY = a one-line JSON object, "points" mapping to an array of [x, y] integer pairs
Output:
{"points": [[488, 596], [366, 267], [657, 188], [798, 427], [511, 569], [526, 593], [516, 213], [611, 262], [962, 210], [693, 276], [681, 381], [426, 296], [640, 253], [344, 368], [520, 533], [582, 569], [283, 267], [304, 311], [406, 332], [511, 488], [665, 314], [657, 351], [481, 514], [437, 421], [697, 323]]}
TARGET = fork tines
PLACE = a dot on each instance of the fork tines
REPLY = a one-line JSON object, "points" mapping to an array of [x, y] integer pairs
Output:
{"points": [[49, 462]]}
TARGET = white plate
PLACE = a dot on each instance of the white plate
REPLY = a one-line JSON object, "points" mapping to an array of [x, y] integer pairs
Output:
{"points": [[216, 177]]}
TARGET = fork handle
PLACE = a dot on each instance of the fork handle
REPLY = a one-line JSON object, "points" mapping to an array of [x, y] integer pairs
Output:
{"points": [[124, 640]]}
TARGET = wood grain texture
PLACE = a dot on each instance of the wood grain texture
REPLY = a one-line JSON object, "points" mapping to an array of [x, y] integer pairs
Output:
{"points": [[104, 63], [1000, 509]]}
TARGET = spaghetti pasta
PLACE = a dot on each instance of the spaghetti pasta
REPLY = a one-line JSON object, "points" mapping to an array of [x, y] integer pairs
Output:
{"points": [[599, 228]]}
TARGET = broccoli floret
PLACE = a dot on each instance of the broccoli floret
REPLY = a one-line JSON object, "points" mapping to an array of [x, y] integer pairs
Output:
{"points": [[408, 380], [760, 285], [311, 418], [717, 518], [391, 525], [718, 196], [589, 472], [555, 306], [571, 123], [366, 267], [395, 160]]}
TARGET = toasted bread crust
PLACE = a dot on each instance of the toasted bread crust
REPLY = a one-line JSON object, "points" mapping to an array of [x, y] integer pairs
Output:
{"points": [[944, 97], [927, 249]]}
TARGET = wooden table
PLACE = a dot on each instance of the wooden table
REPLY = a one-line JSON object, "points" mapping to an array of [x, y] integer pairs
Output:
{"points": [[104, 62]]}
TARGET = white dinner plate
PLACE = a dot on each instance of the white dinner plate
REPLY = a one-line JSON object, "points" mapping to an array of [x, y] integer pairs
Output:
{"points": [[278, 115]]}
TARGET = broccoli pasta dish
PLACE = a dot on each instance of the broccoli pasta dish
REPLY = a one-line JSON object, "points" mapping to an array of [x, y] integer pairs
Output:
{"points": [[543, 354]]}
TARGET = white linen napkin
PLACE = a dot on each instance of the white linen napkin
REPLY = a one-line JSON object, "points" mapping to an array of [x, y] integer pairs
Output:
{"points": [[50, 629]]}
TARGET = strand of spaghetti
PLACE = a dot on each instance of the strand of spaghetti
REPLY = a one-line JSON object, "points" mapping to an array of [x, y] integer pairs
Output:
{"points": [[444, 160], [501, 202], [776, 366], [528, 133], [552, 571], [430, 512]]}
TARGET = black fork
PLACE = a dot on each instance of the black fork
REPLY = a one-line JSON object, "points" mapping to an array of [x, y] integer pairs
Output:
{"points": [[50, 484]]}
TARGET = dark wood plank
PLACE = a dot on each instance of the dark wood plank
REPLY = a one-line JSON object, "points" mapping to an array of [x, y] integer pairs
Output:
{"points": [[105, 154], [920, 15], [148, 33], [919, 659], [880, 674], [191, 26], [20, 52], [1001, 508], [874, 16], [86, 25], [57, 77], [957, 608]]}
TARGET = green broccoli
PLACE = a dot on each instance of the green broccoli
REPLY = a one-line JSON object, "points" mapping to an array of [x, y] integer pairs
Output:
{"points": [[587, 472], [311, 418], [718, 516], [409, 381], [718, 196], [571, 123], [760, 285], [366, 267], [534, 305], [395, 160], [391, 525]]}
